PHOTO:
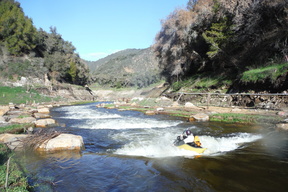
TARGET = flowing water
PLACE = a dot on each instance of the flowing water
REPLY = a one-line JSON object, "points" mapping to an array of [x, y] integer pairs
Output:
{"points": [[129, 151]]}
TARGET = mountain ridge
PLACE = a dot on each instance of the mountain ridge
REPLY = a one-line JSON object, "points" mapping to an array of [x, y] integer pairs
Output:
{"points": [[126, 68]]}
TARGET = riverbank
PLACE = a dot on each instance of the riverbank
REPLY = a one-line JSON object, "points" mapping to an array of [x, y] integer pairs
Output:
{"points": [[165, 106], [12, 120]]}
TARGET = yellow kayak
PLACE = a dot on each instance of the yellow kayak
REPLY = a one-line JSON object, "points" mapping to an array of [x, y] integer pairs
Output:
{"points": [[190, 148]]}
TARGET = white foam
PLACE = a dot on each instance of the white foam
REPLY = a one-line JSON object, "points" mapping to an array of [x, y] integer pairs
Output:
{"points": [[162, 146], [90, 115], [82, 112], [229, 143], [127, 123], [93, 118]]}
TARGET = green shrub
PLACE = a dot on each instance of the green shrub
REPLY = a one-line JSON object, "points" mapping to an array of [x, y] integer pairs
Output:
{"points": [[201, 83], [271, 72]]}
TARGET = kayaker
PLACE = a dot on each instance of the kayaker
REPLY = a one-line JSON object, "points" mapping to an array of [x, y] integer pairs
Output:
{"points": [[189, 137]]}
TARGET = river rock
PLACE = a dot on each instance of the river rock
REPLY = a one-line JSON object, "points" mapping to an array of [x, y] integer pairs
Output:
{"points": [[199, 117], [63, 142], [45, 122], [163, 98], [21, 106], [41, 115], [45, 110], [235, 110], [11, 106], [283, 113], [22, 120], [49, 106], [175, 104], [2, 120], [13, 141], [283, 126], [191, 106], [150, 113], [3, 110], [133, 104], [160, 109]]}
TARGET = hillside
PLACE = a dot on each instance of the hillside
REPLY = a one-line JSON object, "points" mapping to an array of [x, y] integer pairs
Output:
{"points": [[126, 68], [29, 52], [93, 65], [238, 46]]}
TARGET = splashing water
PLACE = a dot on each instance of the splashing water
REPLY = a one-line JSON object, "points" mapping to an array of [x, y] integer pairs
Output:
{"points": [[147, 136], [155, 144], [82, 112], [104, 119]]}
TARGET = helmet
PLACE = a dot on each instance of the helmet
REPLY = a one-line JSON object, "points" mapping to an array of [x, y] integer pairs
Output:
{"points": [[188, 132]]}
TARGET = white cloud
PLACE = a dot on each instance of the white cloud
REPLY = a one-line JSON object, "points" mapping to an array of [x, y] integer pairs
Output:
{"points": [[98, 55]]}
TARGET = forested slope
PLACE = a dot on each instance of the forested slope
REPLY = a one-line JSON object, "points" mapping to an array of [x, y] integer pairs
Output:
{"points": [[126, 68], [240, 45], [27, 51]]}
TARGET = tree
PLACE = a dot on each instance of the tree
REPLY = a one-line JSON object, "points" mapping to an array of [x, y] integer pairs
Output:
{"points": [[218, 34], [16, 30], [73, 71]]}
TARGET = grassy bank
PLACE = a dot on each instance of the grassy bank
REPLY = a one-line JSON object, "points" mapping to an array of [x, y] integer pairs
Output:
{"points": [[18, 95], [202, 83], [271, 72], [15, 128], [16, 181], [244, 118]]}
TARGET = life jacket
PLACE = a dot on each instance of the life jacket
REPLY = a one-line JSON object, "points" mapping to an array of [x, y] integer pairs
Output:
{"points": [[197, 141]]}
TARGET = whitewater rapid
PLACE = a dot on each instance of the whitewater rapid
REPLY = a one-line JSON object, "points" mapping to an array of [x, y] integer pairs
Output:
{"points": [[147, 136]]}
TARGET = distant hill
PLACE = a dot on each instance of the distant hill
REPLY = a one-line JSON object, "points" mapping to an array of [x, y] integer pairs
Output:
{"points": [[126, 68]]}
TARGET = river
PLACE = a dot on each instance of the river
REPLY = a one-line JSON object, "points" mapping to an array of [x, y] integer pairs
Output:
{"points": [[130, 151]]}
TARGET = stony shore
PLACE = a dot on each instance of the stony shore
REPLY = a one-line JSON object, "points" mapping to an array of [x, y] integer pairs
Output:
{"points": [[28, 117], [190, 112]]}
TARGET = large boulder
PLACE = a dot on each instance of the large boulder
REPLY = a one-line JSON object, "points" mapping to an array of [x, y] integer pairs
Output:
{"points": [[13, 141], [199, 117], [163, 98], [41, 115], [45, 122], [63, 142], [3, 110], [283, 126], [22, 120], [150, 113], [189, 105], [44, 110]]}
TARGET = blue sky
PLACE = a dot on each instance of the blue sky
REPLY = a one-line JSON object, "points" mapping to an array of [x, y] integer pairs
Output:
{"points": [[98, 28]]}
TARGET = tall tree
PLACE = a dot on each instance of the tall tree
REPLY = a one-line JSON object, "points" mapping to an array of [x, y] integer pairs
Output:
{"points": [[16, 30]]}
